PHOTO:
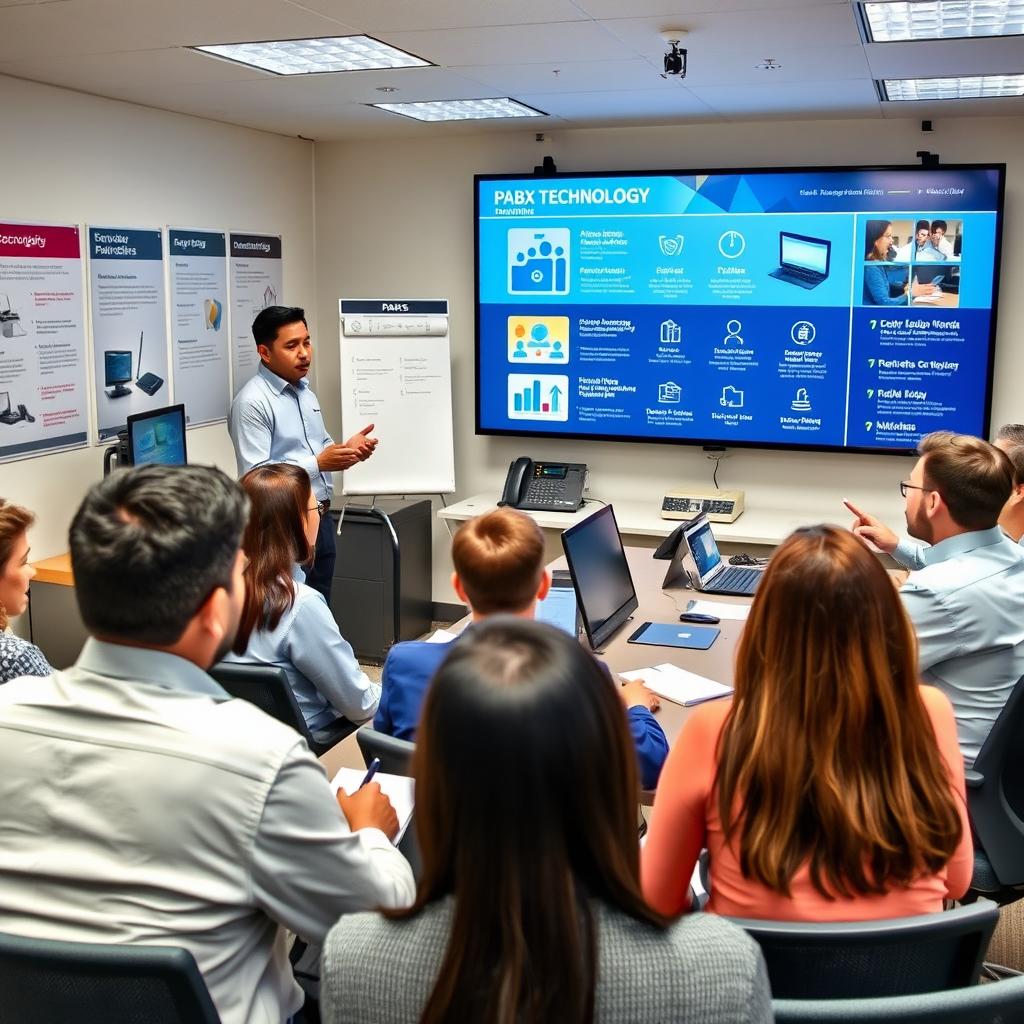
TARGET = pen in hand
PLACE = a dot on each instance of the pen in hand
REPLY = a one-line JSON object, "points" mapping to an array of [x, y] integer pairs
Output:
{"points": [[370, 772]]}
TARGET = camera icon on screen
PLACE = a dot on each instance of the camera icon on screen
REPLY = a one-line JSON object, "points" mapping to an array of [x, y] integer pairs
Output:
{"points": [[538, 261]]}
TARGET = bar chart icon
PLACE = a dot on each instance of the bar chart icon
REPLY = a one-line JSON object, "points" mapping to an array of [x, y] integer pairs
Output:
{"points": [[538, 397]]}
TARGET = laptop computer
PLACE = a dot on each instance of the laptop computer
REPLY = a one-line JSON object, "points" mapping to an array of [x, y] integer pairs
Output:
{"points": [[803, 260], [712, 575]]}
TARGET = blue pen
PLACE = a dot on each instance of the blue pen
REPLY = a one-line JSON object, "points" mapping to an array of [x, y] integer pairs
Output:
{"points": [[370, 772]]}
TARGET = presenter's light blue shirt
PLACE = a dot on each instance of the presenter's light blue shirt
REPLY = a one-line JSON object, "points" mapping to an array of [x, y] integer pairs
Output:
{"points": [[272, 420], [319, 662], [965, 597]]}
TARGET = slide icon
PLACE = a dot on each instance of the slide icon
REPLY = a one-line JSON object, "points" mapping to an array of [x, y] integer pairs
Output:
{"points": [[538, 261], [538, 397], [538, 339]]}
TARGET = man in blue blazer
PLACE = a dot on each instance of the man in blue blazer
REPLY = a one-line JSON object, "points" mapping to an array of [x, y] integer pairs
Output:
{"points": [[499, 570]]}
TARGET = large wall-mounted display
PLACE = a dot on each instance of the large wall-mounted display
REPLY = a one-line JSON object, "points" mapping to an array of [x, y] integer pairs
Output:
{"points": [[821, 308]]}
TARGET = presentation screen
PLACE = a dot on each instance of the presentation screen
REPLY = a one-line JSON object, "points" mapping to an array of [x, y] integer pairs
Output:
{"points": [[823, 308]]}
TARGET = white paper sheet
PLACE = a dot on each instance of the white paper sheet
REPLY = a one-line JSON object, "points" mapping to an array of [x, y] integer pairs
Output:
{"points": [[678, 685], [399, 789]]}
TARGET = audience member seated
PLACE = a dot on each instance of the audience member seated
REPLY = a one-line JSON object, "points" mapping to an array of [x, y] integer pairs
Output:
{"points": [[141, 804], [830, 788], [285, 622], [529, 905], [1010, 439], [499, 569], [965, 593], [18, 657]]}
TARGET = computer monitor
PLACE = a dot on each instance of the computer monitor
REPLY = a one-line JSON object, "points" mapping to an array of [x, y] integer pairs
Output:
{"points": [[117, 371], [804, 253], [600, 575], [157, 437]]}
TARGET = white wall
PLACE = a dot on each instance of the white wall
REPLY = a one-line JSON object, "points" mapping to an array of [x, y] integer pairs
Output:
{"points": [[396, 219], [77, 159]]}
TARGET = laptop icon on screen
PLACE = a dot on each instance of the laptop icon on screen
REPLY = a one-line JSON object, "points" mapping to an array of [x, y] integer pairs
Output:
{"points": [[803, 260]]}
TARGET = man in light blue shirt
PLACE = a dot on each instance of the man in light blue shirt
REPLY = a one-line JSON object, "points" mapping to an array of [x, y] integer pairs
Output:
{"points": [[965, 591], [1010, 439], [275, 417]]}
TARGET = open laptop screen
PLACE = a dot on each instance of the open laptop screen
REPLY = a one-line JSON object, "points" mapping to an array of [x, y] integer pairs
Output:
{"points": [[703, 548], [804, 252], [600, 574]]}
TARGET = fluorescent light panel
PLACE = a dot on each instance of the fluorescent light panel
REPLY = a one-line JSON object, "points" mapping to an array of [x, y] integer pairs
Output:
{"points": [[966, 87], [943, 19], [316, 56], [461, 110]]}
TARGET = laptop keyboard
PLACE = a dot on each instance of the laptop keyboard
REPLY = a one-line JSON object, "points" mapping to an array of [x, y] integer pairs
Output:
{"points": [[737, 579], [803, 273]]}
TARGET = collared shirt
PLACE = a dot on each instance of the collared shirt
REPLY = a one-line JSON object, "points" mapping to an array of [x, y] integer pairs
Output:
{"points": [[965, 597], [272, 420], [324, 674], [140, 804]]}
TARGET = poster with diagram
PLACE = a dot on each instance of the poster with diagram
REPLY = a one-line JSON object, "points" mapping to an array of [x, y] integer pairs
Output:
{"points": [[257, 281], [129, 325], [43, 374], [199, 323]]}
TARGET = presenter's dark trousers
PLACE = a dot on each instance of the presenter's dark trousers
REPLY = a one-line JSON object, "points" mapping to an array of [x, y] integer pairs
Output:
{"points": [[321, 573]]}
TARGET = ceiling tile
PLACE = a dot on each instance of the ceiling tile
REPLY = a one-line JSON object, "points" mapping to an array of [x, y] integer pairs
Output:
{"points": [[793, 99], [945, 57], [684, 8], [584, 76]]}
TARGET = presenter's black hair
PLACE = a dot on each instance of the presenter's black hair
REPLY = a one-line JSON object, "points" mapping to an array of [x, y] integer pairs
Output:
{"points": [[150, 544], [270, 320]]}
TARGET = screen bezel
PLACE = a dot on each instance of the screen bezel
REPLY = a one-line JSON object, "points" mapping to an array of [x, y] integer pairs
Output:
{"points": [[621, 615], [152, 414], [108, 355], [692, 527], [481, 431], [807, 238]]}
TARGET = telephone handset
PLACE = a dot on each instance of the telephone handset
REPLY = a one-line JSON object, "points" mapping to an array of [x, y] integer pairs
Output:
{"points": [[544, 486]]}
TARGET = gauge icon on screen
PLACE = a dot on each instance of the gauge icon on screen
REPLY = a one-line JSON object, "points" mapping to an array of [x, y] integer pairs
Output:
{"points": [[731, 244]]}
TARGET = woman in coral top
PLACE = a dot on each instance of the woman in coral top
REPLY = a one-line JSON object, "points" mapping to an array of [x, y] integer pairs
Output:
{"points": [[831, 787]]}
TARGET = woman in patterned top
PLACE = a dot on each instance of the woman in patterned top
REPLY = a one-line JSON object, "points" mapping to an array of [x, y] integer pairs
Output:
{"points": [[17, 656]]}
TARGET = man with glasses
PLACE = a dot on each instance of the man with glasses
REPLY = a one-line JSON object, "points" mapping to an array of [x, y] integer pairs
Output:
{"points": [[275, 417], [139, 803], [1010, 439], [965, 592]]}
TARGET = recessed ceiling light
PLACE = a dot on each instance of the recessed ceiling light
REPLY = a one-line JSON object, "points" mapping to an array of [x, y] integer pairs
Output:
{"points": [[967, 87], [889, 22], [316, 56], [461, 110]]}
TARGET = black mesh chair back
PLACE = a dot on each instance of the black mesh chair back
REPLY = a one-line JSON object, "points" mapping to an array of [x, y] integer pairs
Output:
{"points": [[893, 957], [395, 755], [995, 801], [44, 981], [1000, 1002], [268, 688]]}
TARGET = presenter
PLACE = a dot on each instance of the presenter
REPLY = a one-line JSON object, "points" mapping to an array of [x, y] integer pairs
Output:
{"points": [[275, 417]]}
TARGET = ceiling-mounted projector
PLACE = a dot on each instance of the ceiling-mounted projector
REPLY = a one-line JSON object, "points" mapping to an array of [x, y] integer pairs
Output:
{"points": [[675, 59]]}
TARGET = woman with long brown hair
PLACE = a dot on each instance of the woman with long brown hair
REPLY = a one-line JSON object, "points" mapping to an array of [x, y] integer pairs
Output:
{"points": [[529, 907], [831, 787], [285, 622], [18, 657]]}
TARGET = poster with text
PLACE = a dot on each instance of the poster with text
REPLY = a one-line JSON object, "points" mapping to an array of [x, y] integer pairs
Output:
{"points": [[257, 281], [199, 323], [43, 374], [129, 327]]}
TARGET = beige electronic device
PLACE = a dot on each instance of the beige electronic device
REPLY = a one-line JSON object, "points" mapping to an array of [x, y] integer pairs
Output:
{"points": [[686, 503]]}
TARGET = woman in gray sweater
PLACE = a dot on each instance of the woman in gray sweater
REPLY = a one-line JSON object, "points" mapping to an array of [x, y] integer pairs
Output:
{"points": [[529, 907]]}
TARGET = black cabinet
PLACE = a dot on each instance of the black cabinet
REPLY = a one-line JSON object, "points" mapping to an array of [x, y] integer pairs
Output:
{"points": [[381, 592]]}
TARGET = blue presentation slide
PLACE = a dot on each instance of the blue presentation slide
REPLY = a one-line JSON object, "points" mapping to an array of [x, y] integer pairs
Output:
{"points": [[805, 308]]}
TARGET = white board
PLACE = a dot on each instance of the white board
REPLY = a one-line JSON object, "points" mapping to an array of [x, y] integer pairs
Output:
{"points": [[396, 373]]}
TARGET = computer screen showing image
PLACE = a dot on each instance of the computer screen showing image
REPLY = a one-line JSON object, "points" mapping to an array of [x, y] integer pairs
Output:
{"points": [[804, 253], [158, 437]]}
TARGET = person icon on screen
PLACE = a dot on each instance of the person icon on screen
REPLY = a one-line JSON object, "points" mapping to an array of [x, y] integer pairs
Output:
{"points": [[556, 351], [520, 352]]}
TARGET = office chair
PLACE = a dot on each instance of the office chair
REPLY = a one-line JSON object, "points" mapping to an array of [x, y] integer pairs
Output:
{"points": [[995, 803], [996, 1003], [395, 757], [892, 957], [89, 983], [267, 687]]}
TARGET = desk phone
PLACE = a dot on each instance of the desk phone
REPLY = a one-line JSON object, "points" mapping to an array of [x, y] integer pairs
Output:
{"points": [[544, 486]]}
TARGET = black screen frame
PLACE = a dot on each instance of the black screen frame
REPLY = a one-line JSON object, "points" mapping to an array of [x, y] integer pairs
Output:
{"points": [[111, 354], [730, 442], [152, 414]]}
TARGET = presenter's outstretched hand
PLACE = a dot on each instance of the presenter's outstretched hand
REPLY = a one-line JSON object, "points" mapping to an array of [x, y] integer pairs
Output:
{"points": [[336, 457], [363, 443], [368, 807], [636, 695], [872, 531]]}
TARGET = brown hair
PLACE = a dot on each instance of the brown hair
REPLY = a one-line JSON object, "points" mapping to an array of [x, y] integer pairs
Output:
{"points": [[14, 521], [828, 756], [499, 557], [275, 539], [523, 841], [974, 477], [1013, 435]]}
